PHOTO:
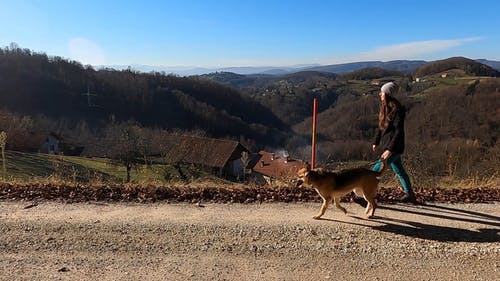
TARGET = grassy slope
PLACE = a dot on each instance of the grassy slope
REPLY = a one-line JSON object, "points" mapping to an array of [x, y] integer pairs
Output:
{"points": [[443, 83], [23, 167], [35, 166]]}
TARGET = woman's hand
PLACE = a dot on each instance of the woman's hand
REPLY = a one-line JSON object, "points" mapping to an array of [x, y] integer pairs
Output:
{"points": [[386, 155]]}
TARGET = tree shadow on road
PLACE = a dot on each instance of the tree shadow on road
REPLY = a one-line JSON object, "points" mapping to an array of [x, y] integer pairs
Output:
{"points": [[456, 211], [437, 232], [418, 229], [466, 216]]}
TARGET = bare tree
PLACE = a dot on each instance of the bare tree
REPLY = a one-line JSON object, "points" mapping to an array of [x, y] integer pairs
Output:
{"points": [[3, 143], [244, 160], [125, 143]]}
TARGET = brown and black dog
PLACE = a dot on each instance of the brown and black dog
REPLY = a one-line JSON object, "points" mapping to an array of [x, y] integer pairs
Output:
{"points": [[332, 185]]}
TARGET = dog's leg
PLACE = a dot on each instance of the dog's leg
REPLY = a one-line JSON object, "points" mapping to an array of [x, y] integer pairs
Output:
{"points": [[326, 202], [336, 200], [358, 192], [370, 208], [374, 206], [370, 192]]}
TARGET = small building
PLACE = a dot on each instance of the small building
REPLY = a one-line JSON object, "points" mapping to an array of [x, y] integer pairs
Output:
{"points": [[219, 156], [51, 144], [54, 144], [444, 75], [275, 169]]}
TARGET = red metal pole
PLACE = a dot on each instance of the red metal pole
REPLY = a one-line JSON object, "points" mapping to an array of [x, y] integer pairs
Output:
{"points": [[313, 146]]}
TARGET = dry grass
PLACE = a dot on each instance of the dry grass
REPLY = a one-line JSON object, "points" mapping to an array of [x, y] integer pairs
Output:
{"points": [[492, 182]]}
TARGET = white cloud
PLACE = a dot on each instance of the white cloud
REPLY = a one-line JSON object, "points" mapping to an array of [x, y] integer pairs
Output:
{"points": [[86, 51], [409, 50]]}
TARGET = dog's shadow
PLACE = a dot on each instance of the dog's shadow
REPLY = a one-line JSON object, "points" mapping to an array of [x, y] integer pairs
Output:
{"points": [[418, 229]]}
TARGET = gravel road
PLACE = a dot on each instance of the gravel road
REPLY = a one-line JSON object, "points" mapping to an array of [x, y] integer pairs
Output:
{"points": [[271, 241]]}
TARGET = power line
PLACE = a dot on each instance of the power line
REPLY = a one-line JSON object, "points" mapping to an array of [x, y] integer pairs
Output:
{"points": [[90, 103]]}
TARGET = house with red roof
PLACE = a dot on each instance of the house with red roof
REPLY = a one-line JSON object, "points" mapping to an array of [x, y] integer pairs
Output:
{"points": [[275, 168]]}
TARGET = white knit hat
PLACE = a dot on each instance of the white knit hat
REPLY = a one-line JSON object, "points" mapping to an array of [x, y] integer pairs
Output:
{"points": [[390, 88]]}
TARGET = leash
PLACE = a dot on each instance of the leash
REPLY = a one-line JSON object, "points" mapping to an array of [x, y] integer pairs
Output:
{"points": [[384, 164], [374, 162]]}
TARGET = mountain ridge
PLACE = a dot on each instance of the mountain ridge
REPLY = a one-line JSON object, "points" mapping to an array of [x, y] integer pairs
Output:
{"points": [[405, 66]]}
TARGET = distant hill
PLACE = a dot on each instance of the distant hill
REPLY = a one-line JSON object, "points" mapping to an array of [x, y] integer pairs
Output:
{"points": [[239, 80], [265, 80], [470, 67], [371, 73], [303, 76], [492, 63], [188, 71], [405, 66], [289, 96]]}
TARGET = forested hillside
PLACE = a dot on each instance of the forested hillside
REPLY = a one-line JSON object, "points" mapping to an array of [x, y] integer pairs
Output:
{"points": [[55, 89], [453, 120], [470, 67]]}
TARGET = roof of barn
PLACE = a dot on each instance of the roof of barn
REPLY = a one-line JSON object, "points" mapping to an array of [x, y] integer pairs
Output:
{"points": [[208, 152]]}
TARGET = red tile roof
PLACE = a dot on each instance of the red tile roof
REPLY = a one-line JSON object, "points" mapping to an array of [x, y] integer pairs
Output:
{"points": [[277, 167]]}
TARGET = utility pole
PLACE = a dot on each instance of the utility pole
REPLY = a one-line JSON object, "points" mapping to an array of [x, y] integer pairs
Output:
{"points": [[313, 142], [89, 100]]}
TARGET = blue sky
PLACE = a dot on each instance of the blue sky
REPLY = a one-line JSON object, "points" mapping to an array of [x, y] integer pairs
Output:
{"points": [[222, 33]]}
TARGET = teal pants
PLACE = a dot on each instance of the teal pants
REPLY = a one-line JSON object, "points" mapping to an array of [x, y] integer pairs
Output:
{"points": [[397, 167]]}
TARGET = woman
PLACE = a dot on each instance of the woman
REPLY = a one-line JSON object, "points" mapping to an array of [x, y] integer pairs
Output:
{"points": [[391, 137]]}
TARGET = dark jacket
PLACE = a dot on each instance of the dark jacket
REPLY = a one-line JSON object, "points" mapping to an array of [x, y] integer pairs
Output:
{"points": [[393, 137]]}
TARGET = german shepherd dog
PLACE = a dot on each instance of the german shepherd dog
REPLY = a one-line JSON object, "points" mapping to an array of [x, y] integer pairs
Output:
{"points": [[332, 185]]}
